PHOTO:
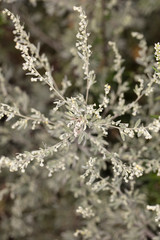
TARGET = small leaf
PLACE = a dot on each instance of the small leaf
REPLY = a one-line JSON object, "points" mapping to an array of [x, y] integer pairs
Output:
{"points": [[122, 135], [155, 69], [137, 123], [155, 116], [9, 117]]}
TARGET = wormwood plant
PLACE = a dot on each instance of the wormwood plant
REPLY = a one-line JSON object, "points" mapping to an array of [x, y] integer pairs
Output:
{"points": [[101, 174]]}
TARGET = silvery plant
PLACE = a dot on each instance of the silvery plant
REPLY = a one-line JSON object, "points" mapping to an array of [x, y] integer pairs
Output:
{"points": [[78, 176]]}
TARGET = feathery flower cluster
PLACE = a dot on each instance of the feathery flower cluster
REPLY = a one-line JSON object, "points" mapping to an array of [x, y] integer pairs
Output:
{"points": [[22, 160], [80, 150], [118, 59], [30, 54], [84, 49], [36, 117], [157, 54], [85, 212], [105, 102], [155, 208], [127, 172]]}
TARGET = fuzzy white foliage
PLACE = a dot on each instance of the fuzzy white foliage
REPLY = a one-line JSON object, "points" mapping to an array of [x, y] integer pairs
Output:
{"points": [[81, 129]]}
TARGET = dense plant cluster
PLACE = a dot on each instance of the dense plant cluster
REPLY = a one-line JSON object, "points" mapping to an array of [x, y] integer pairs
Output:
{"points": [[78, 150]]}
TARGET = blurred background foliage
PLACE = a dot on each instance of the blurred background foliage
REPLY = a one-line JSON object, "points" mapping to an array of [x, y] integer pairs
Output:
{"points": [[53, 25]]}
